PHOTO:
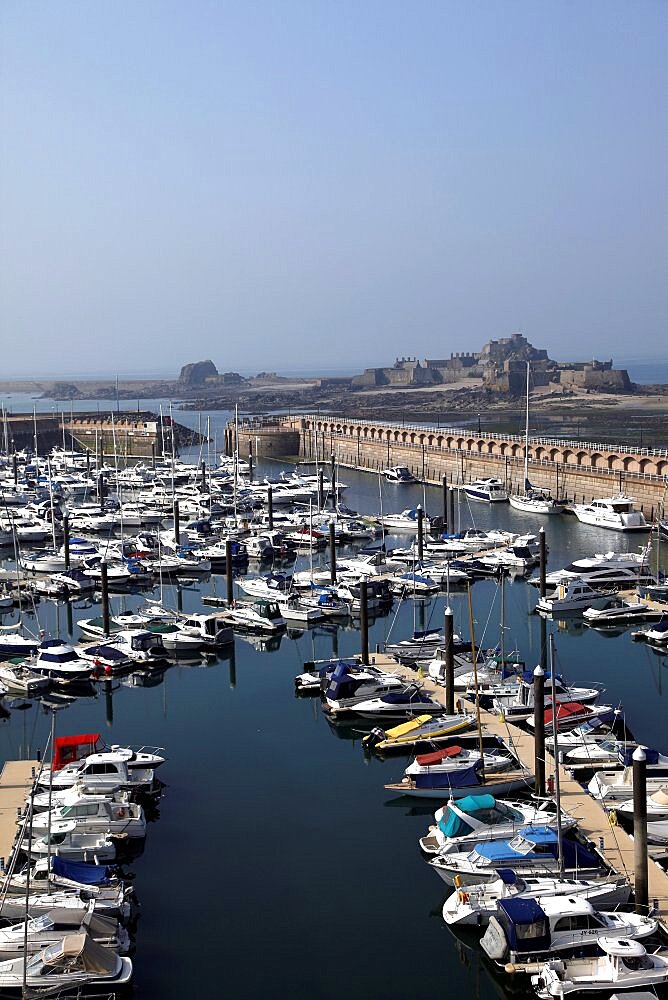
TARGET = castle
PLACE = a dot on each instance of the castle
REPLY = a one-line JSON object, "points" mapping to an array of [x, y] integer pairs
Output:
{"points": [[502, 366]]}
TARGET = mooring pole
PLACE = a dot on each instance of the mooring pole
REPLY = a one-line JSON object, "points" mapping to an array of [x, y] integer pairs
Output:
{"points": [[640, 830], [104, 588], [332, 550], [364, 622], [448, 631], [177, 523], [153, 454], [229, 579], [250, 460], [420, 532], [66, 540], [451, 516], [270, 508], [543, 562], [333, 486], [445, 504], [539, 730], [15, 469]]}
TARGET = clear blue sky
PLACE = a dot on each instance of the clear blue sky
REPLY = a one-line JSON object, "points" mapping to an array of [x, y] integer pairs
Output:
{"points": [[301, 184]]}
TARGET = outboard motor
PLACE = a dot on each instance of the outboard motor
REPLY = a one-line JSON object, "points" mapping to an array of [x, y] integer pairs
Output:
{"points": [[373, 738]]}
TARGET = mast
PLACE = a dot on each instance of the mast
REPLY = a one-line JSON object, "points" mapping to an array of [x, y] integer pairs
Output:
{"points": [[474, 657], [526, 436], [555, 739]]}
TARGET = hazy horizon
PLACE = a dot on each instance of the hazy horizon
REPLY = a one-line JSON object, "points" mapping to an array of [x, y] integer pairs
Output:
{"points": [[314, 187]]}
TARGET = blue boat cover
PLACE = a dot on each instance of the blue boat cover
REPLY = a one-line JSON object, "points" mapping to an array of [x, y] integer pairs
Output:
{"points": [[508, 876], [526, 927], [80, 871], [626, 756], [452, 825], [467, 777]]}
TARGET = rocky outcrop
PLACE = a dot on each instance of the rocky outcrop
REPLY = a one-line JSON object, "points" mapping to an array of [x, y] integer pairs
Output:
{"points": [[197, 372]]}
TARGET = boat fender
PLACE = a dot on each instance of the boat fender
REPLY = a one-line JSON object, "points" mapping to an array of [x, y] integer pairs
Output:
{"points": [[121, 814], [462, 896], [612, 817]]}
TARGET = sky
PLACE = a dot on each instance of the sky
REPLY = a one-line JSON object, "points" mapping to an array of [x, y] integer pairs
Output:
{"points": [[304, 185]]}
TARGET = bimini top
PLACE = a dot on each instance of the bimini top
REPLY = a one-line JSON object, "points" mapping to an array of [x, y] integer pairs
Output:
{"points": [[453, 823], [621, 947]]}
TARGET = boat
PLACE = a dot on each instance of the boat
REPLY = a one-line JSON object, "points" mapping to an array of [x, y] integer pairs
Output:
{"points": [[406, 521], [73, 961], [475, 905], [212, 630], [488, 490], [12, 643], [465, 822], [263, 617], [605, 570], [572, 713], [533, 500], [275, 587], [141, 646], [428, 782], [94, 814], [348, 686], [618, 611], [622, 964], [106, 659], [572, 596], [49, 929], [17, 678], [525, 930], [655, 634], [514, 698], [617, 786], [410, 699], [297, 612], [616, 513], [399, 474], [100, 772], [65, 840], [421, 731], [60, 662], [68, 750], [533, 850], [657, 805]]}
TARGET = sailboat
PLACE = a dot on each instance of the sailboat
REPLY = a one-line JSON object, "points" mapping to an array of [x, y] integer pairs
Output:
{"points": [[533, 500]]}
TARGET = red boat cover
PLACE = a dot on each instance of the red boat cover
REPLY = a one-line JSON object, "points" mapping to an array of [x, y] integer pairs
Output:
{"points": [[69, 748], [566, 709], [437, 756]]}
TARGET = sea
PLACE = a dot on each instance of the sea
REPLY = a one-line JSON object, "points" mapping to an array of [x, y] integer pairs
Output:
{"points": [[279, 865]]}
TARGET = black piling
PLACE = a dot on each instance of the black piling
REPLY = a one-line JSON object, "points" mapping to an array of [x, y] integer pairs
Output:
{"points": [[270, 508], [66, 540], [332, 551], [445, 504], [250, 461], [420, 532], [229, 578], [640, 830], [543, 561], [108, 703], [333, 481], [177, 523], [448, 631], [321, 489], [364, 622], [233, 667], [539, 729], [104, 586], [153, 454]]}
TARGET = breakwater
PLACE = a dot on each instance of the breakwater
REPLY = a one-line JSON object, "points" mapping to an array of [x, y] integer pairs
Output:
{"points": [[577, 470]]}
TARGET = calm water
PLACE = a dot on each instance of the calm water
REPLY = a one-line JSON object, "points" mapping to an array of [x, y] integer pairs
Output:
{"points": [[279, 865]]}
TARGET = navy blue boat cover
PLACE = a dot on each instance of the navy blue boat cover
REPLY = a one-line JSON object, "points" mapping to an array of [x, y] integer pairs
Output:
{"points": [[80, 871]]}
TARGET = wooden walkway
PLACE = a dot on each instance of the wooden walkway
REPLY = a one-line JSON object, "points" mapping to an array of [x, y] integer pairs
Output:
{"points": [[593, 821], [15, 783]]}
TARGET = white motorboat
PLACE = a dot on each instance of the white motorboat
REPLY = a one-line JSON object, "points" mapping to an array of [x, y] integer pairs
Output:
{"points": [[100, 772], [19, 679], [611, 787], [529, 930], [274, 587], [297, 612], [488, 490], [463, 823], [475, 905], [406, 521], [655, 634], [455, 772], [49, 929], [623, 964], [94, 814], [534, 851], [263, 617], [60, 662], [73, 961], [400, 475], [616, 513], [657, 805], [409, 699], [350, 686], [617, 611], [142, 646], [607, 569], [571, 596], [67, 841], [515, 698], [212, 630]]}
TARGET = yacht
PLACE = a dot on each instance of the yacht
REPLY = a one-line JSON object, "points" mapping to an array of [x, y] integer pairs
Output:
{"points": [[605, 569], [574, 595], [617, 513], [399, 474], [488, 490]]}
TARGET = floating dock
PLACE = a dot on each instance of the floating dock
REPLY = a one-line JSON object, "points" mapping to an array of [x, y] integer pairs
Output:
{"points": [[15, 783], [593, 820]]}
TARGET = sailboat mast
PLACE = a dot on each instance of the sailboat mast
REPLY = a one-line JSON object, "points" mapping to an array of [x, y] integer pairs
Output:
{"points": [[555, 740], [474, 657], [526, 434]]}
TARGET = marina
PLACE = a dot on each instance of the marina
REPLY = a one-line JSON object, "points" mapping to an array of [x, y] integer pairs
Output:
{"points": [[286, 754]]}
